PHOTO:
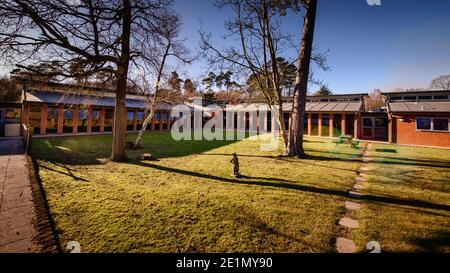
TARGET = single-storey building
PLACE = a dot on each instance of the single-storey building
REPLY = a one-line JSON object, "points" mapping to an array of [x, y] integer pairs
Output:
{"points": [[63, 109], [412, 118], [419, 118]]}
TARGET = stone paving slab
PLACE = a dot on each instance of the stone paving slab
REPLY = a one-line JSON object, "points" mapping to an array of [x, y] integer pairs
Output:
{"points": [[354, 194], [352, 205], [23, 246], [360, 179], [349, 222], [345, 245], [17, 231]]}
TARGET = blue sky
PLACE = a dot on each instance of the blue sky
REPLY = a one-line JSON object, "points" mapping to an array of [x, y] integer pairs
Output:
{"points": [[400, 44]]}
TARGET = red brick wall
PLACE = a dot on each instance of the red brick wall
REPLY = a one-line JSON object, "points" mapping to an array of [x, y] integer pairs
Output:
{"points": [[405, 132]]}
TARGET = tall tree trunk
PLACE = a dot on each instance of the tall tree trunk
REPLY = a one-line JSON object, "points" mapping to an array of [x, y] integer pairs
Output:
{"points": [[295, 144], [120, 119]]}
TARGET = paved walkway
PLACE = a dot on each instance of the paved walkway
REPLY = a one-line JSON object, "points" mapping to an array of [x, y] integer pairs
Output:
{"points": [[16, 206]]}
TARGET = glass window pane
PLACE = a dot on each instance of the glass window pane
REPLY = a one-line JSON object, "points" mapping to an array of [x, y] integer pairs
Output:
{"points": [[305, 124], [82, 120], [109, 115], [140, 120], [381, 122], [314, 124], [34, 118], [68, 121], [337, 124], [52, 120], [12, 115], [325, 124], [130, 120], [440, 124], [96, 120], [423, 123]]}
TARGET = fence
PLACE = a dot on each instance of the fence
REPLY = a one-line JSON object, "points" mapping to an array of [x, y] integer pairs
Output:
{"points": [[27, 138]]}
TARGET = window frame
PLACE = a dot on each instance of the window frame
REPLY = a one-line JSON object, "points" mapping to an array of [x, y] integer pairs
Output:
{"points": [[432, 125]]}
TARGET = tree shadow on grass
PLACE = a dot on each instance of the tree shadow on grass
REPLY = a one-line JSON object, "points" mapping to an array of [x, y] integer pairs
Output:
{"points": [[299, 187], [385, 160], [305, 161], [68, 173], [94, 150], [440, 242]]}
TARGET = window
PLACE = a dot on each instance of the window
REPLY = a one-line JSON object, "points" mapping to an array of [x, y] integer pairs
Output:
{"points": [[82, 120], [96, 120], [314, 124], [440, 97], [12, 115], [109, 116], [305, 124], [52, 120], [410, 98], [337, 125], [140, 120], [130, 121], [433, 124], [423, 123], [425, 97], [68, 121], [34, 118], [440, 124], [325, 124]]}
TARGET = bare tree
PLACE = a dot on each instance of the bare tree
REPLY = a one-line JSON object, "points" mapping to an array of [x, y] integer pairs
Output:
{"points": [[295, 145], [167, 45], [103, 36], [442, 83], [258, 27], [374, 101]]}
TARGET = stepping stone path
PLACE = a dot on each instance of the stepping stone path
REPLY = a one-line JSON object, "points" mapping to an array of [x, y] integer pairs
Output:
{"points": [[344, 245]]}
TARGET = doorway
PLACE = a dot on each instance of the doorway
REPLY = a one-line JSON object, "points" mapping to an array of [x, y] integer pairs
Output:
{"points": [[375, 127], [368, 127]]}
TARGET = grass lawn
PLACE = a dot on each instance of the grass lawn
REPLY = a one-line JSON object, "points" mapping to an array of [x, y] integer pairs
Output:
{"points": [[189, 202], [409, 200]]}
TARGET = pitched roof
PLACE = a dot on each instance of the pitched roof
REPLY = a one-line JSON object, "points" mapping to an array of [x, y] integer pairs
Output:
{"points": [[419, 106], [82, 99], [339, 106]]}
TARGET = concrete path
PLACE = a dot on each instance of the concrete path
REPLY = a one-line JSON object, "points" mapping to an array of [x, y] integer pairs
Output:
{"points": [[16, 206]]}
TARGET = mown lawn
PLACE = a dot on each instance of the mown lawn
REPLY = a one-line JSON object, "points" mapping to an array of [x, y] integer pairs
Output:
{"points": [[408, 206], [189, 202]]}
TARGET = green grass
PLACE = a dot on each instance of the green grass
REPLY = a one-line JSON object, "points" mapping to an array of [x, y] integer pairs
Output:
{"points": [[189, 202], [410, 206]]}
